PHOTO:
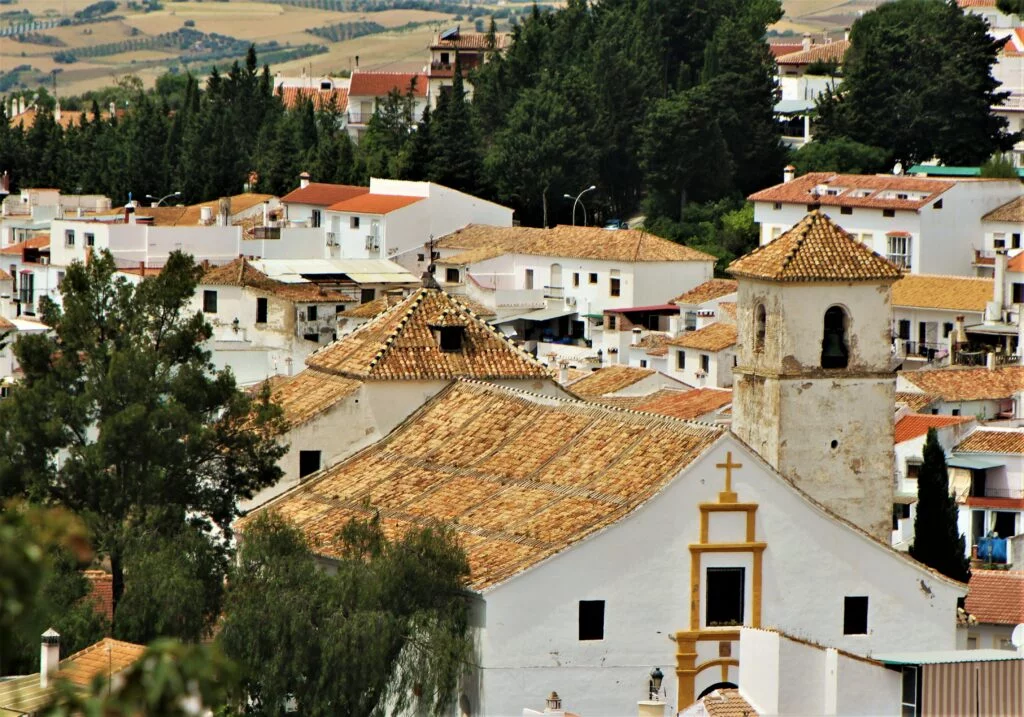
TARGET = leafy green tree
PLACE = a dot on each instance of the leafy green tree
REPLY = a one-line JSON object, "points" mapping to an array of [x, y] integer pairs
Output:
{"points": [[391, 621], [999, 166], [938, 103], [841, 154], [1011, 7], [937, 542], [122, 418], [387, 134]]}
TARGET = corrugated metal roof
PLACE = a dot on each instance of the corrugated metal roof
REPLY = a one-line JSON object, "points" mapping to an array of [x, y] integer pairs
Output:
{"points": [[938, 657]]}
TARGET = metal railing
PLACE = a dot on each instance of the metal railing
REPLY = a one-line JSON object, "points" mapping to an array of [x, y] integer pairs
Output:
{"points": [[554, 292]]}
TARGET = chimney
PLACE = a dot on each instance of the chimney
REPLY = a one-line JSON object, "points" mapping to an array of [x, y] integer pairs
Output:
{"points": [[788, 174], [206, 215], [357, 61], [266, 214], [49, 656], [129, 213], [563, 372], [806, 44], [113, 110], [303, 180], [999, 283], [554, 703], [990, 361], [224, 212], [142, 269], [636, 336], [846, 34], [21, 105], [56, 112]]}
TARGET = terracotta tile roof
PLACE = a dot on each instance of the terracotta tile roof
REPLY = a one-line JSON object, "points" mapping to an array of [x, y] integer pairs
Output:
{"points": [[379, 84], [992, 440], [827, 52], [727, 702], [399, 344], [4, 276], [519, 477], [336, 98], [190, 215], [915, 401], [473, 41], [916, 425], [968, 384], [655, 343], [711, 289], [373, 308], [575, 374], [609, 380], [1016, 264], [996, 596], [101, 592], [713, 337], [956, 293], [579, 242], [319, 194], [854, 190], [778, 49], [816, 249], [373, 204], [310, 393], [687, 405], [241, 273], [41, 241], [1012, 211], [976, 3], [6, 325]]}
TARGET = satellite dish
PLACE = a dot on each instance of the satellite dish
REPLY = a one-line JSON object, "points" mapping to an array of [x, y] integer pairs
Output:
{"points": [[1017, 637], [898, 169]]}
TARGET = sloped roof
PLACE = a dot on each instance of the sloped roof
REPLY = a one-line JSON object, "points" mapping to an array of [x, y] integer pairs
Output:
{"points": [[399, 344], [654, 343], [6, 325], [319, 194], [709, 290], [472, 41], [915, 401], [379, 305], [996, 596], [827, 52], [816, 249], [955, 293], [609, 380], [993, 440], [713, 337], [1016, 263], [241, 273], [191, 214], [1012, 211], [519, 477], [309, 393], [727, 702], [687, 405], [4, 276], [40, 241], [855, 190], [576, 242], [336, 98], [379, 84], [374, 203], [968, 384], [915, 425]]}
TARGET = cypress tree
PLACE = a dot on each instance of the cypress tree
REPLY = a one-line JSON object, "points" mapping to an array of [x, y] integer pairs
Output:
{"points": [[937, 542]]}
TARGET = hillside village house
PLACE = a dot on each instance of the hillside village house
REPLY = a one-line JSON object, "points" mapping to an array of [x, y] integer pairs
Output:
{"points": [[1003, 228], [799, 73], [471, 49], [32, 274], [926, 310], [360, 387], [996, 601], [989, 393], [326, 93], [305, 205], [923, 225], [30, 212], [367, 89]]}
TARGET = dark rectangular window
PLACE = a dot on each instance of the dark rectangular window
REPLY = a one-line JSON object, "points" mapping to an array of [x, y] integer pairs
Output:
{"points": [[900, 511], [209, 302], [777, 206], [705, 363], [261, 311], [937, 205], [723, 596], [955, 412], [316, 218], [14, 275], [910, 702], [855, 615], [27, 292], [309, 462], [90, 239], [576, 278], [339, 308], [1018, 293], [643, 363], [846, 210], [591, 619], [451, 338], [367, 295], [593, 277], [611, 322], [1015, 240], [680, 359], [353, 222], [451, 276], [310, 313], [904, 329], [616, 287], [312, 337], [888, 212], [947, 329], [69, 237]]}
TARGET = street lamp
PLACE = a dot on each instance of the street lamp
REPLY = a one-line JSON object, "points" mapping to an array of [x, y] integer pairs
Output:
{"points": [[577, 201], [654, 685], [161, 199]]}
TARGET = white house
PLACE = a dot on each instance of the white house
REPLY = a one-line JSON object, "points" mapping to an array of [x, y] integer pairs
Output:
{"points": [[926, 309], [471, 49], [996, 601], [923, 225], [706, 356], [619, 381], [989, 10], [305, 205], [368, 88], [803, 75], [988, 393], [33, 276], [1009, 72], [30, 212]]}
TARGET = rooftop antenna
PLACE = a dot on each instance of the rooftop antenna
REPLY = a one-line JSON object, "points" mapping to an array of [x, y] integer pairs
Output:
{"points": [[429, 281]]}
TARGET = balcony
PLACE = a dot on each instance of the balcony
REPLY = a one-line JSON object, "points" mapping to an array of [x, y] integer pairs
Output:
{"points": [[984, 257], [900, 260], [920, 349], [554, 292]]}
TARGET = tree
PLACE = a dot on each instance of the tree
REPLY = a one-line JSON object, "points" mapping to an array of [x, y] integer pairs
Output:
{"points": [[393, 620], [937, 542], [841, 154], [999, 166], [1011, 7], [938, 103], [150, 438], [455, 160]]}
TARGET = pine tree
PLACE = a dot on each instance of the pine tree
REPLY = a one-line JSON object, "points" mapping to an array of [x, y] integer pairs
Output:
{"points": [[455, 160], [937, 542]]}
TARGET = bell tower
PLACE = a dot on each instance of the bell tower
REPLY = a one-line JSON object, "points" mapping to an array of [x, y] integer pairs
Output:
{"points": [[813, 387]]}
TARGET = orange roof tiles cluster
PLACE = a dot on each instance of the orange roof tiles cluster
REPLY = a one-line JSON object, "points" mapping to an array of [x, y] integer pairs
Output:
{"points": [[815, 249], [379, 84], [241, 273], [915, 401], [609, 380], [713, 337], [996, 596], [4, 276], [583, 242], [399, 344], [310, 393], [473, 41], [727, 702], [955, 293], [968, 384], [826, 52], [373, 204], [915, 425], [654, 343], [687, 405], [336, 98], [1012, 211], [319, 194], [1016, 263], [855, 190], [384, 302], [993, 440], [708, 291], [40, 241], [519, 477]]}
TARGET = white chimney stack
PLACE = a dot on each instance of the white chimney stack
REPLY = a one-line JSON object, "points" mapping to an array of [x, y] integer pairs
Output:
{"points": [[303, 180], [206, 215], [806, 44], [788, 174], [49, 656], [563, 372], [846, 34], [636, 335]]}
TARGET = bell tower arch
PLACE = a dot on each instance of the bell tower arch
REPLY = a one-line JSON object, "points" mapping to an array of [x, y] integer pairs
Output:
{"points": [[813, 390]]}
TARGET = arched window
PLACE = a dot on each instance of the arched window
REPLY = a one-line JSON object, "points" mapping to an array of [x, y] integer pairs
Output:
{"points": [[835, 349], [760, 326]]}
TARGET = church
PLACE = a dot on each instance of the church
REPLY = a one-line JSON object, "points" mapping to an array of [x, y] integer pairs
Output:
{"points": [[605, 542]]}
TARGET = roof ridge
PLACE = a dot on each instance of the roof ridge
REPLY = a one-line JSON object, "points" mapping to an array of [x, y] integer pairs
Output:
{"points": [[391, 337]]}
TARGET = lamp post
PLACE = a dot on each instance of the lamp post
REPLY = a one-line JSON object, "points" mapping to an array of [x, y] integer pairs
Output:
{"points": [[577, 201], [161, 199], [654, 686]]}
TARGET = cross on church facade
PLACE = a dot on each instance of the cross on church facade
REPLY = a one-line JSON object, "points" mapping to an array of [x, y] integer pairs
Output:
{"points": [[728, 496]]}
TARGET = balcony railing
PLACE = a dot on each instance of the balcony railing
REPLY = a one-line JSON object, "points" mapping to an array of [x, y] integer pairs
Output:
{"points": [[554, 292], [900, 260], [924, 349]]}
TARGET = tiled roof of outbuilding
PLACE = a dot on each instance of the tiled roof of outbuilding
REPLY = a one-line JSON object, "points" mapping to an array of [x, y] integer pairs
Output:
{"points": [[916, 425], [309, 393], [968, 384], [713, 337], [709, 290], [609, 380], [374, 204], [399, 344], [687, 405], [519, 477], [241, 273], [319, 194], [915, 401], [816, 249], [827, 52], [855, 190], [993, 440], [1012, 211], [956, 293], [996, 596], [379, 84]]}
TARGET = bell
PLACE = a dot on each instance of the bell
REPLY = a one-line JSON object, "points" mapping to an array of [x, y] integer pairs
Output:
{"points": [[833, 353]]}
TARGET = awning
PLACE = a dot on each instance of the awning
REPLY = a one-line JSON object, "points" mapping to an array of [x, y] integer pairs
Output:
{"points": [[789, 107], [538, 315], [965, 460]]}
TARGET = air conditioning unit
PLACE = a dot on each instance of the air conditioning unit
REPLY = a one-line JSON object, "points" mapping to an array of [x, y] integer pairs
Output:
{"points": [[570, 301]]}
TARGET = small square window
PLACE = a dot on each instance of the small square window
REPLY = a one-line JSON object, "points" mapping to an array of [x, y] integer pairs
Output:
{"points": [[353, 222], [311, 313], [777, 206], [846, 210], [451, 276], [90, 239], [855, 615], [309, 462], [593, 277], [421, 257], [955, 412], [643, 363], [888, 212], [591, 619], [209, 302]]}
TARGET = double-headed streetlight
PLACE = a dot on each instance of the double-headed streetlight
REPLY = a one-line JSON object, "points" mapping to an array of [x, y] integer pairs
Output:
{"points": [[577, 201], [161, 199]]}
